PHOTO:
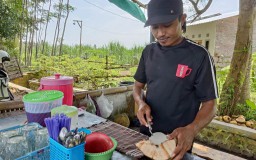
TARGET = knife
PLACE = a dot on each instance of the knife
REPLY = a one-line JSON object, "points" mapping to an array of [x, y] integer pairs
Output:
{"points": [[149, 127]]}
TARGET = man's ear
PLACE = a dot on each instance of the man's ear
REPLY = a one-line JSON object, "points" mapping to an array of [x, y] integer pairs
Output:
{"points": [[183, 19]]}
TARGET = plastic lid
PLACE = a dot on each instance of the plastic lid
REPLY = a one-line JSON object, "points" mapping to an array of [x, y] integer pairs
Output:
{"points": [[57, 79], [43, 96], [69, 111]]}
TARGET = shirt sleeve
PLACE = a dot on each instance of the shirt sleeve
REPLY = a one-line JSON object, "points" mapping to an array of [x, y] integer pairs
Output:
{"points": [[205, 83], [140, 74]]}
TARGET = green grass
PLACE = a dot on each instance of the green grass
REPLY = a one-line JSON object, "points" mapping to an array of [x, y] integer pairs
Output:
{"points": [[253, 96]]}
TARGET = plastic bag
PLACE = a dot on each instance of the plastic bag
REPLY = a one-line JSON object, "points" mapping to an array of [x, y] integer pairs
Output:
{"points": [[105, 106], [88, 103]]}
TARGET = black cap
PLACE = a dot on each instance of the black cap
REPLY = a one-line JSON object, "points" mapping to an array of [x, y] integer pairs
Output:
{"points": [[163, 11]]}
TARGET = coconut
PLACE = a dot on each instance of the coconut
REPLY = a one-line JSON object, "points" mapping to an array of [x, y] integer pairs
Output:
{"points": [[249, 124], [226, 119], [219, 118], [233, 122], [235, 116], [241, 124], [122, 119], [240, 119]]}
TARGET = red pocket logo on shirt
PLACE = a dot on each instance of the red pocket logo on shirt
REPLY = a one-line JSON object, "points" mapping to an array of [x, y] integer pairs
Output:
{"points": [[183, 71]]}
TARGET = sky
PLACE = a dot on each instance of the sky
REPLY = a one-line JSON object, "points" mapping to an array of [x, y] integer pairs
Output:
{"points": [[103, 22]]}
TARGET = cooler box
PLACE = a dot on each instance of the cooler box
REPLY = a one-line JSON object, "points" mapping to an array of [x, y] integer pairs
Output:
{"points": [[38, 105], [61, 83]]}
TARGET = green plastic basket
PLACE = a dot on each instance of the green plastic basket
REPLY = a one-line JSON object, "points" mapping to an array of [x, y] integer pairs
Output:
{"points": [[103, 155]]}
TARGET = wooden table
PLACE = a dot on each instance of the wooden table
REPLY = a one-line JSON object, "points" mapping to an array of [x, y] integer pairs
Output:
{"points": [[86, 120]]}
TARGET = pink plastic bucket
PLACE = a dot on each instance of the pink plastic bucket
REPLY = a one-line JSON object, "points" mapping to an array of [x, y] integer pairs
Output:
{"points": [[61, 83]]}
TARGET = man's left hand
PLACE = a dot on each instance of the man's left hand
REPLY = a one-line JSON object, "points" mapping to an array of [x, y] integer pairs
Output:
{"points": [[184, 138]]}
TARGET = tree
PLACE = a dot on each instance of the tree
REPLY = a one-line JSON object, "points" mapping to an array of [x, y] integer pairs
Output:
{"points": [[9, 26], [235, 89], [59, 7], [68, 9], [47, 22], [197, 9]]}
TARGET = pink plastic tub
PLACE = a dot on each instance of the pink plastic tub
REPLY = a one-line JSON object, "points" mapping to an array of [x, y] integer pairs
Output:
{"points": [[61, 83]]}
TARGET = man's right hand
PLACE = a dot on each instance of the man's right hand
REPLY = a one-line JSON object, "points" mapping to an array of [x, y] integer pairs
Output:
{"points": [[144, 114], [144, 108]]}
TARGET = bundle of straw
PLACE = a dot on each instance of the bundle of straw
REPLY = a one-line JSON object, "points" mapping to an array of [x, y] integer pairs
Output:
{"points": [[56, 123]]}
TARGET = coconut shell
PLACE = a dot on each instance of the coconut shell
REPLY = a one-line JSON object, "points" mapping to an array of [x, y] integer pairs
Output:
{"points": [[169, 146], [140, 143], [219, 118], [240, 119], [235, 116], [241, 124], [249, 124], [161, 153], [226, 119], [122, 119], [147, 148], [233, 122], [157, 152]]}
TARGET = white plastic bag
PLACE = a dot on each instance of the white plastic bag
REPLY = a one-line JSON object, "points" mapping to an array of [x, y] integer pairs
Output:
{"points": [[105, 106]]}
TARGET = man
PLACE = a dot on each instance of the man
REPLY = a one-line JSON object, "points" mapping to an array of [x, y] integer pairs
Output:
{"points": [[179, 76]]}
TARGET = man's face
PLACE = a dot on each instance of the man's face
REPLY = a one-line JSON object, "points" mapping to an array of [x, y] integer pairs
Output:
{"points": [[168, 34]]}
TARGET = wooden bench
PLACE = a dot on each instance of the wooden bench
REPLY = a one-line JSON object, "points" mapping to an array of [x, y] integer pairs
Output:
{"points": [[12, 68], [10, 106]]}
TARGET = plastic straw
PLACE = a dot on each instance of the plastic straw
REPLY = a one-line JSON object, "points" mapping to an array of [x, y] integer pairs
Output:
{"points": [[56, 123]]}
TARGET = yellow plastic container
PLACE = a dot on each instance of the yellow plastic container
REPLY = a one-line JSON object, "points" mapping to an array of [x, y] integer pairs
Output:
{"points": [[70, 111]]}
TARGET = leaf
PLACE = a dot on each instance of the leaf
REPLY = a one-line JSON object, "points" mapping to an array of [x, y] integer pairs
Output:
{"points": [[251, 104]]}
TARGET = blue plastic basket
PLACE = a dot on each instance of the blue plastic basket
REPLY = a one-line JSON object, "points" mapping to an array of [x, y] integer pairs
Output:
{"points": [[19, 126], [59, 152], [41, 154]]}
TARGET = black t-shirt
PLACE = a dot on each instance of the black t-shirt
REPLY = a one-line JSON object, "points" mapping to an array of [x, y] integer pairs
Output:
{"points": [[175, 101]]}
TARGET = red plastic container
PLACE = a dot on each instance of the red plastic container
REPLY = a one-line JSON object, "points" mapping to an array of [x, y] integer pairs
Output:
{"points": [[61, 83]]}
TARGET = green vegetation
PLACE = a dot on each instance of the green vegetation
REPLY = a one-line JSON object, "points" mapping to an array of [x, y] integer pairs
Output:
{"points": [[93, 68], [10, 19], [96, 68], [104, 67], [248, 109]]}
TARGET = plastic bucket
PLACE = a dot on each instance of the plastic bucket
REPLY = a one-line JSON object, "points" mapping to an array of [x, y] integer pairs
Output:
{"points": [[38, 117], [42, 107], [60, 83], [38, 105]]}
